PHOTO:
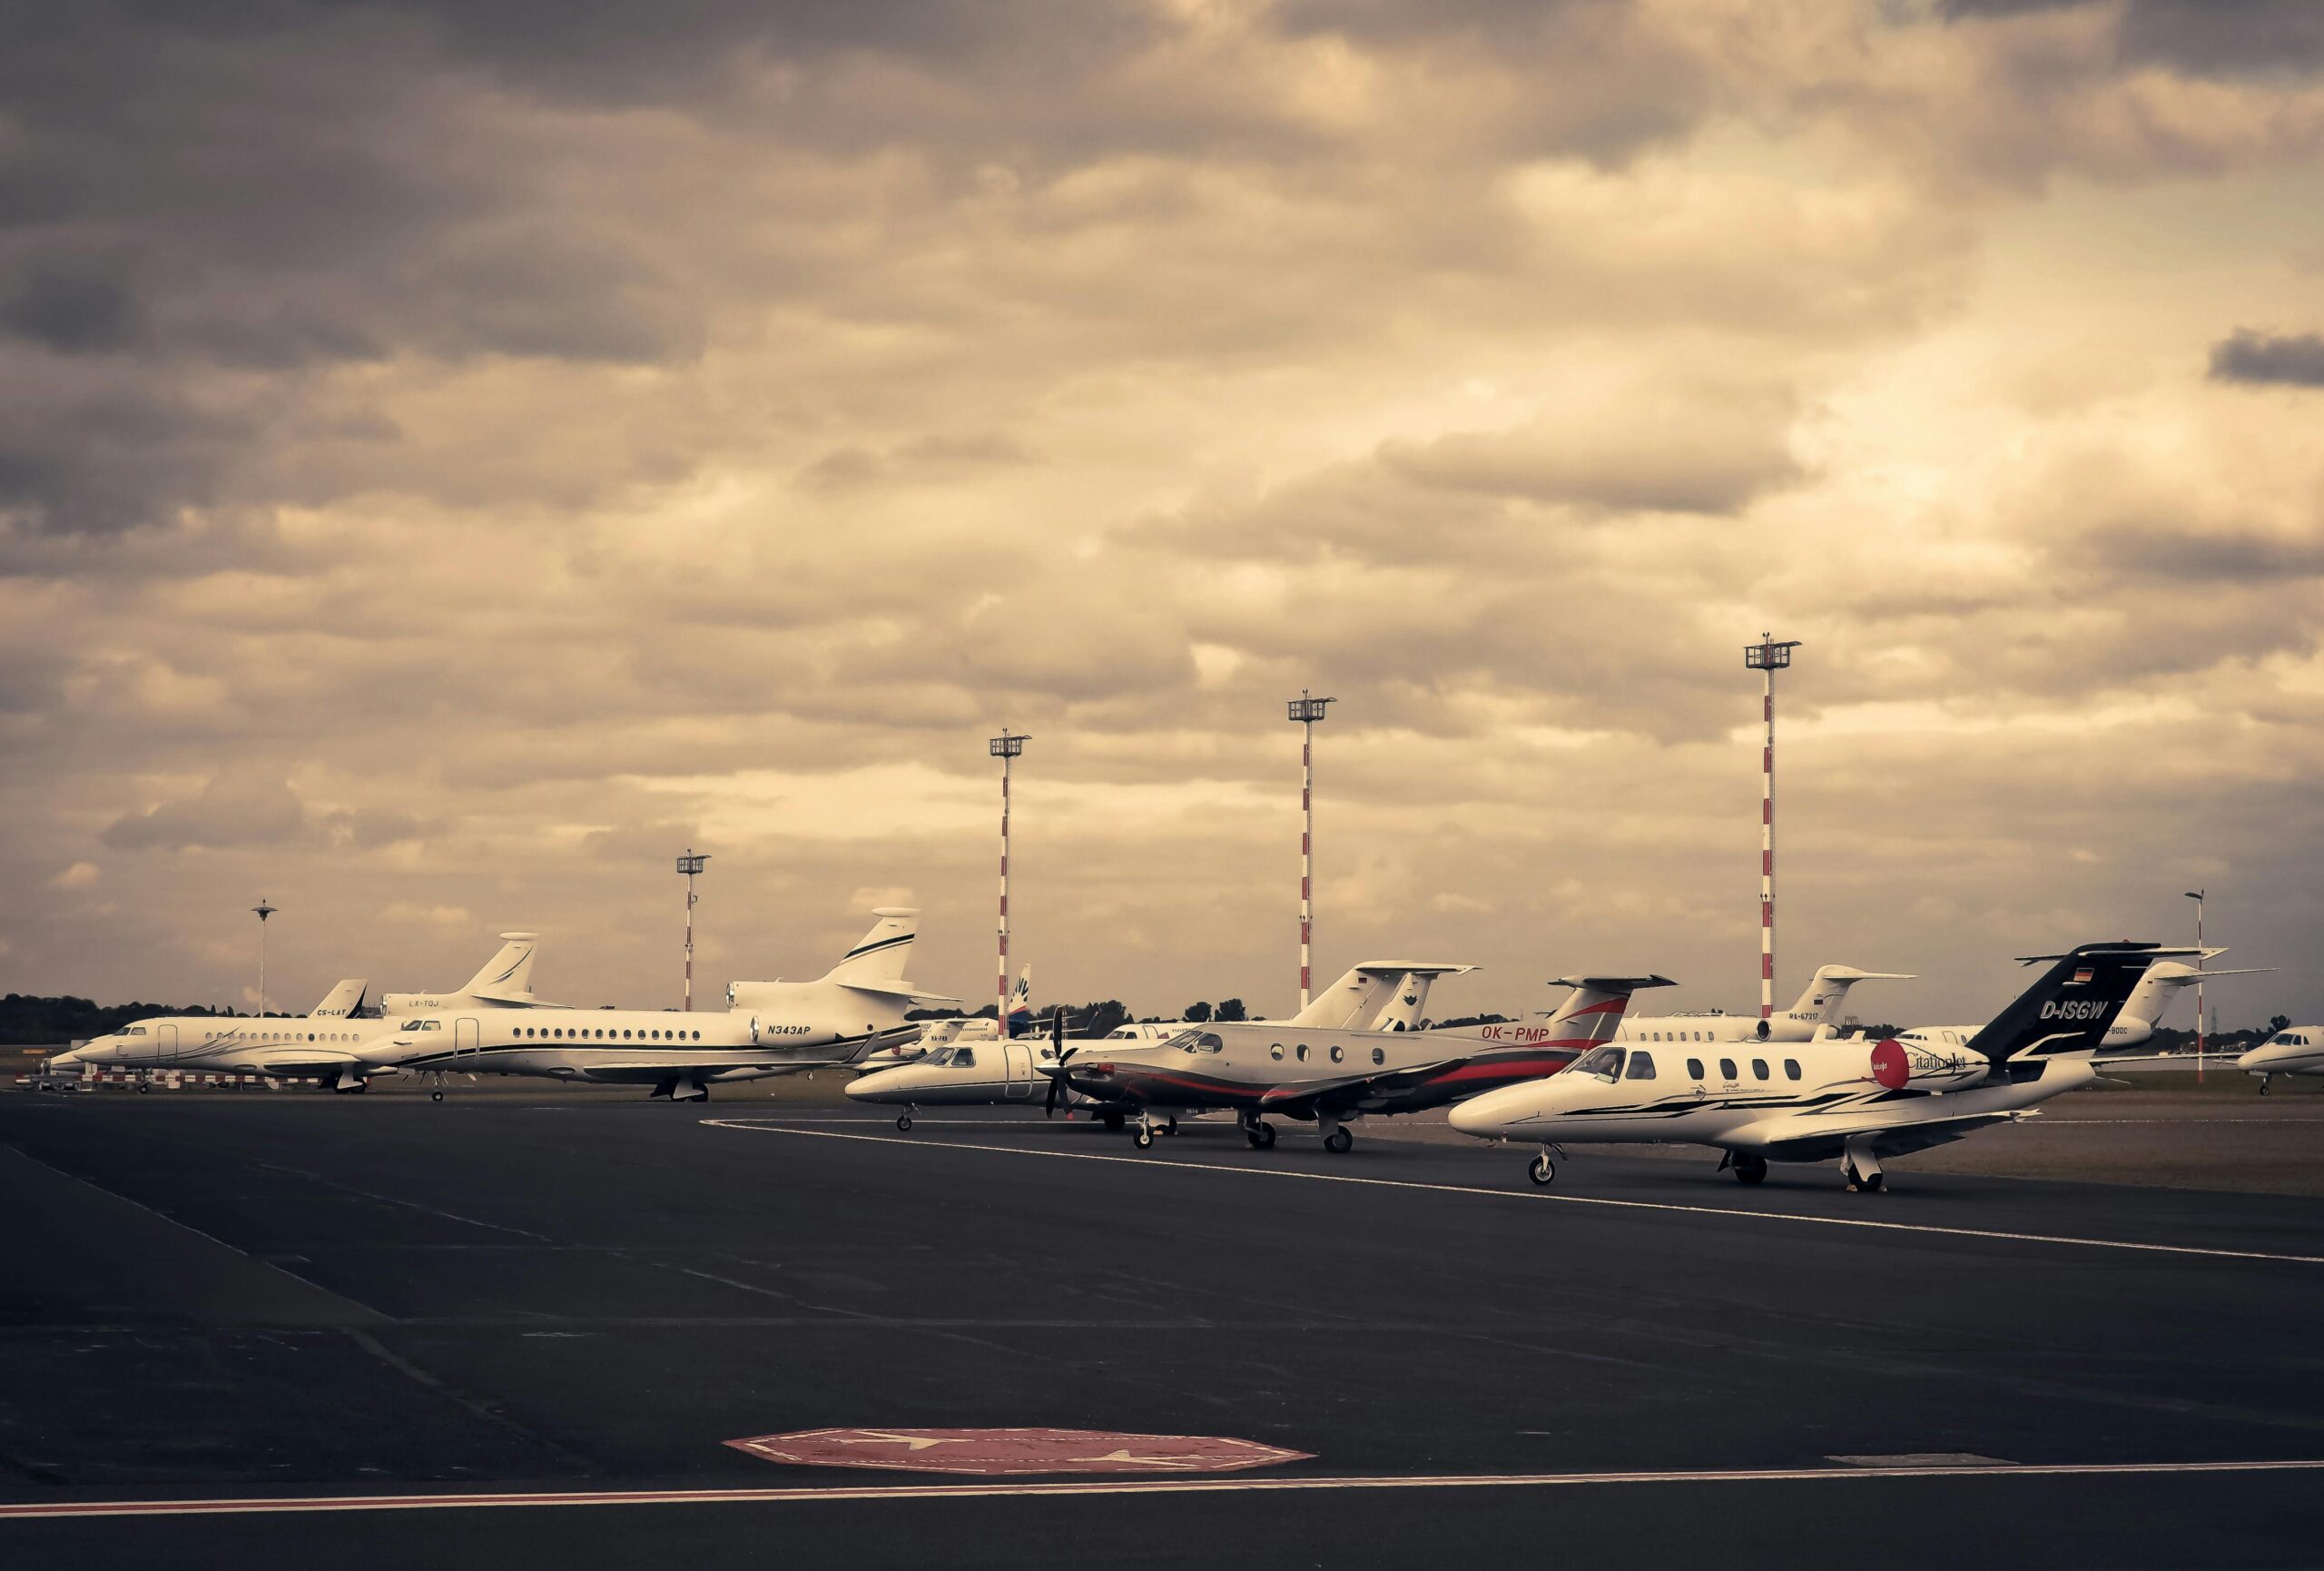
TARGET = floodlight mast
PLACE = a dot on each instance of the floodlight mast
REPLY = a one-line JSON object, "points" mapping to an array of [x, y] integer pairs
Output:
{"points": [[1767, 655], [1305, 710], [1004, 748], [263, 910], [2197, 896], [691, 865]]}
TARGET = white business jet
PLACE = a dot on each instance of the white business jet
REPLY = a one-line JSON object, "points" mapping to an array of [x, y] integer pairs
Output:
{"points": [[1818, 1100], [1817, 1013], [321, 1044], [2294, 1050], [768, 1028]]}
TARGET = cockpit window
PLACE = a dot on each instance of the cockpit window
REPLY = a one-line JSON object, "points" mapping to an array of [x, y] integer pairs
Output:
{"points": [[1605, 1063], [964, 1058], [1642, 1065]]}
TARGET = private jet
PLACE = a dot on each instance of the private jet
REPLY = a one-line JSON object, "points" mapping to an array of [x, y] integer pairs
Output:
{"points": [[2294, 1050], [1851, 1101], [768, 1028]]}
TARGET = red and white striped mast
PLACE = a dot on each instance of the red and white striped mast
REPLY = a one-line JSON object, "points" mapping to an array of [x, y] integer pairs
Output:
{"points": [[690, 866], [1767, 655], [1307, 711], [1004, 748]]}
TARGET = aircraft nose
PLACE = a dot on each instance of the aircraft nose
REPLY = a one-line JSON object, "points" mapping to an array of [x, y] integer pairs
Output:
{"points": [[1492, 1113]]}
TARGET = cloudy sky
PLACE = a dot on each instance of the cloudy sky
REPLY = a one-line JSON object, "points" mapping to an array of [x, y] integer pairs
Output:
{"points": [[452, 457]]}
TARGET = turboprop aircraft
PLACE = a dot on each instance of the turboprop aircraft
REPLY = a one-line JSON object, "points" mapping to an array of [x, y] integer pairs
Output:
{"points": [[322, 1043], [768, 1028], [2294, 1050], [1328, 1075], [969, 1073], [983, 1071], [1817, 1013], [1815, 1102]]}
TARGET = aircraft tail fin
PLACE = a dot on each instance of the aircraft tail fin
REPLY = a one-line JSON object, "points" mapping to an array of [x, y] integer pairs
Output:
{"points": [[1592, 1013], [1827, 995], [507, 975], [342, 1001], [878, 962], [2070, 1008], [1371, 996], [1019, 1020]]}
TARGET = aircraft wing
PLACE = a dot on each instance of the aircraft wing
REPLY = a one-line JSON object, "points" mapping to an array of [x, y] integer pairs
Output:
{"points": [[1300, 1101], [651, 1074], [898, 989], [296, 1062], [1806, 1138]]}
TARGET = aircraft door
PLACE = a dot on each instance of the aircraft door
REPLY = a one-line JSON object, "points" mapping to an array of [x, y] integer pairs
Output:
{"points": [[1019, 1059], [165, 1042], [465, 1037]]}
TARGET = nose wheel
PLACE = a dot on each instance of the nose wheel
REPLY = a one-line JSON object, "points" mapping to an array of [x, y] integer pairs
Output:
{"points": [[904, 1121], [1541, 1171]]}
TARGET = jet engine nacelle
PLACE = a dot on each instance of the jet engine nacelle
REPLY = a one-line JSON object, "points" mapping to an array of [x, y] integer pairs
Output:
{"points": [[1903, 1065]]}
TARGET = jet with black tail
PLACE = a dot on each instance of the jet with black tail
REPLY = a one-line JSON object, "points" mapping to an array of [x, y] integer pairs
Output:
{"points": [[1852, 1102]]}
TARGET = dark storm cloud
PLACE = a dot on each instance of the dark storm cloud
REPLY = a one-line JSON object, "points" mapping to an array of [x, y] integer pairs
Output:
{"points": [[2289, 359], [2199, 37]]}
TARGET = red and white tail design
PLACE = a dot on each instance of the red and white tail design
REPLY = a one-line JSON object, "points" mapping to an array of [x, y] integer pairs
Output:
{"points": [[1592, 1013]]}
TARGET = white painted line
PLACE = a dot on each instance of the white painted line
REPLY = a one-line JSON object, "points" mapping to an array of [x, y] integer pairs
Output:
{"points": [[1510, 1194], [842, 1493]]}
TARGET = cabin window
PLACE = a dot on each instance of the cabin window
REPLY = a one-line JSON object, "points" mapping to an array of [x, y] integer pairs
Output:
{"points": [[697, 1036], [1337, 1054], [1300, 1053], [1276, 1052], [1379, 1055], [1758, 1069], [1791, 1068], [1726, 1069], [1694, 1069], [1642, 1066]]}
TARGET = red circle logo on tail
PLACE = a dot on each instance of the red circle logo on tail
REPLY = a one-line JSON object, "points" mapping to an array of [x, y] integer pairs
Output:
{"points": [[1888, 1065]]}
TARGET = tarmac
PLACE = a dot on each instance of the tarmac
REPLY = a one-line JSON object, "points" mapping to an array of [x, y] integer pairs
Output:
{"points": [[521, 1329]]}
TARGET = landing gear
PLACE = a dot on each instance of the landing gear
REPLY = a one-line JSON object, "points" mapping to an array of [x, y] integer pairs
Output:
{"points": [[904, 1121], [1860, 1167], [1114, 1121], [144, 1086], [1144, 1138], [2263, 1084], [1749, 1169], [1260, 1133], [1542, 1169], [435, 1095]]}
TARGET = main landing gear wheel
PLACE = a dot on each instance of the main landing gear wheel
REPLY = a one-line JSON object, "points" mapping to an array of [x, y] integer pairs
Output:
{"points": [[1114, 1121], [903, 1122], [434, 1096], [1338, 1141], [144, 1086], [1750, 1170], [1260, 1135], [1542, 1171], [1865, 1183]]}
